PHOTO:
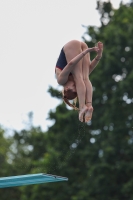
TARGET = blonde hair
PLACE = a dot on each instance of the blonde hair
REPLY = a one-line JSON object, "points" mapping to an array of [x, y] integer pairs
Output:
{"points": [[66, 101]]}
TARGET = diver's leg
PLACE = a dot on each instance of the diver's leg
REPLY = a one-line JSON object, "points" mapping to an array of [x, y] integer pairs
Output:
{"points": [[71, 50], [89, 90]]}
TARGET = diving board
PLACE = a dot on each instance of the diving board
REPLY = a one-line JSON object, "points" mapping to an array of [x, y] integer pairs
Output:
{"points": [[12, 181]]}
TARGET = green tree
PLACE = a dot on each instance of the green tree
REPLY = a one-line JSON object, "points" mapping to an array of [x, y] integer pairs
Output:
{"points": [[6, 166], [112, 124], [4, 146]]}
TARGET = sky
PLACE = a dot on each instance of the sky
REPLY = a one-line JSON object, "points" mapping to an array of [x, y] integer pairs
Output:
{"points": [[32, 33]]}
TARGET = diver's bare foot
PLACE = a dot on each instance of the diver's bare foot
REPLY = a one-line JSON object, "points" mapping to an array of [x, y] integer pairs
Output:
{"points": [[88, 114], [82, 112]]}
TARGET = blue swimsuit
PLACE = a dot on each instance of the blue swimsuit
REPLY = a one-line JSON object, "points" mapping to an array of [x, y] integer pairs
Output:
{"points": [[61, 62]]}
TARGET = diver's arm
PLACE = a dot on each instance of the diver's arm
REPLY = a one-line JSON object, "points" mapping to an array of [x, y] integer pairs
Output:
{"points": [[63, 76], [94, 63], [96, 60]]}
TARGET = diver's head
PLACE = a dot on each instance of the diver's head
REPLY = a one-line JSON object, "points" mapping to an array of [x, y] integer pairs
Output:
{"points": [[70, 91]]}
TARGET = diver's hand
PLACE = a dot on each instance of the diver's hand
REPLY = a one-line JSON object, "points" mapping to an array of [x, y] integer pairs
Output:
{"points": [[100, 50], [96, 49], [93, 49]]}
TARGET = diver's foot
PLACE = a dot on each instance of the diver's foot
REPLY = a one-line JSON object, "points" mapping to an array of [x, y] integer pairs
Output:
{"points": [[82, 112], [88, 114]]}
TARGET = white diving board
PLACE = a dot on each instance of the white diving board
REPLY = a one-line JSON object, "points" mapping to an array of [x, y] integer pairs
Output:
{"points": [[12, 181]]}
